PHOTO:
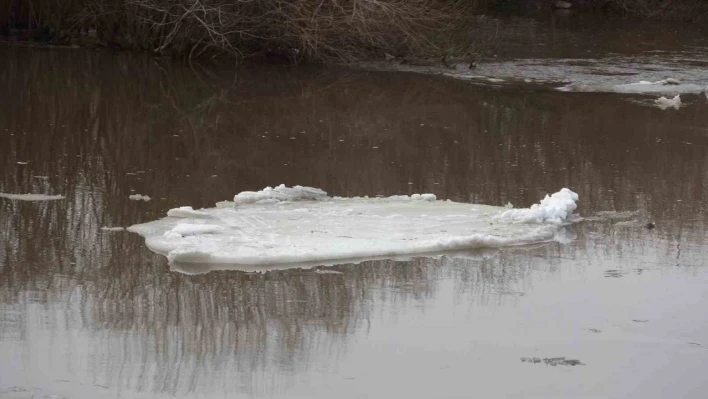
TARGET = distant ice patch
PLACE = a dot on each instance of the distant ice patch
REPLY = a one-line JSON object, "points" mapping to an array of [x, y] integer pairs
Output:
{"points": [[666, 103], [31, 197], [106, 228], [139, 197], [298, 226], [664, 86]]}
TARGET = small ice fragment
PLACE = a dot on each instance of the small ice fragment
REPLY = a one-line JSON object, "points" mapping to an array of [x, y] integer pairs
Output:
{"points": [[22, 163], [375, 147], [139, 197], [31, 197], [106, 228], [509, 205], [672, 81], [41, 177], [666, 103]]}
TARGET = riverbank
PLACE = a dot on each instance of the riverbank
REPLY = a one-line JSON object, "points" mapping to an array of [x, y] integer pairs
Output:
{"points": [[277, 31]]}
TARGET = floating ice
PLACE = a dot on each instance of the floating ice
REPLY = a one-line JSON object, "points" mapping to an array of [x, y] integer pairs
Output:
{"points": [[31, 197], [106, 228], [139, 197], [298, 226], [666, 103]]}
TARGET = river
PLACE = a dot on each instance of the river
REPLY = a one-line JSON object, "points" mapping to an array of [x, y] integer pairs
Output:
{"points": [[90, 312]]}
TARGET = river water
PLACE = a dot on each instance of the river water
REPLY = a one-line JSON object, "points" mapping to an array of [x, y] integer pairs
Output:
{"points": [[87, 312]]}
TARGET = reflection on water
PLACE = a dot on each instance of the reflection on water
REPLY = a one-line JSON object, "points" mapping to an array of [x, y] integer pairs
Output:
{"points": [[86, 312]]}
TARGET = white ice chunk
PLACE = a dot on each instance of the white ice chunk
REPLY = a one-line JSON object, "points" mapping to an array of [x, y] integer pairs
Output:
{"points": [[556, 209], [31, 197], [106, 228], [666, 103], [280, 193], [139, 197], [335, 230]]}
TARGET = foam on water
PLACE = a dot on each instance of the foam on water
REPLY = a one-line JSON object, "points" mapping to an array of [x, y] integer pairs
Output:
{"points": [[304, 226]]}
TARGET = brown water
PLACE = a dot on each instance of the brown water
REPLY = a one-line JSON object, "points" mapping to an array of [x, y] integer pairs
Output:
{"points": [[88, 313]]}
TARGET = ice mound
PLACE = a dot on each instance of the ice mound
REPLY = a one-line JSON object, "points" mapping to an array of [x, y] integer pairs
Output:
{"points": [[31, 197], [666, 103], [556, 209], [280, 193], [286, 227]]}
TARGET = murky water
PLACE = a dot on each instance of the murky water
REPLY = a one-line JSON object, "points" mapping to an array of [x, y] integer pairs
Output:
{"points": [[91, 313]]}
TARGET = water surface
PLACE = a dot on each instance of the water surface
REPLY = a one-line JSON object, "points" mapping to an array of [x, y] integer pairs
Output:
{"points": [[90, 312]]}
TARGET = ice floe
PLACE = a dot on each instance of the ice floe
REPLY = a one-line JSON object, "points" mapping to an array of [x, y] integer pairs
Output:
{"points": [[31, 197], [300, 226]]}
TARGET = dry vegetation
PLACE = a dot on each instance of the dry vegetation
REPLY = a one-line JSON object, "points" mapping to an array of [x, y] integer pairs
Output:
{"points": [[291, 30], [295, 29]]}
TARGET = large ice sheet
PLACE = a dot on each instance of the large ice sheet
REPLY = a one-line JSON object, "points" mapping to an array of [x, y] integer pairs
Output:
{"points": [[303, 226]]}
